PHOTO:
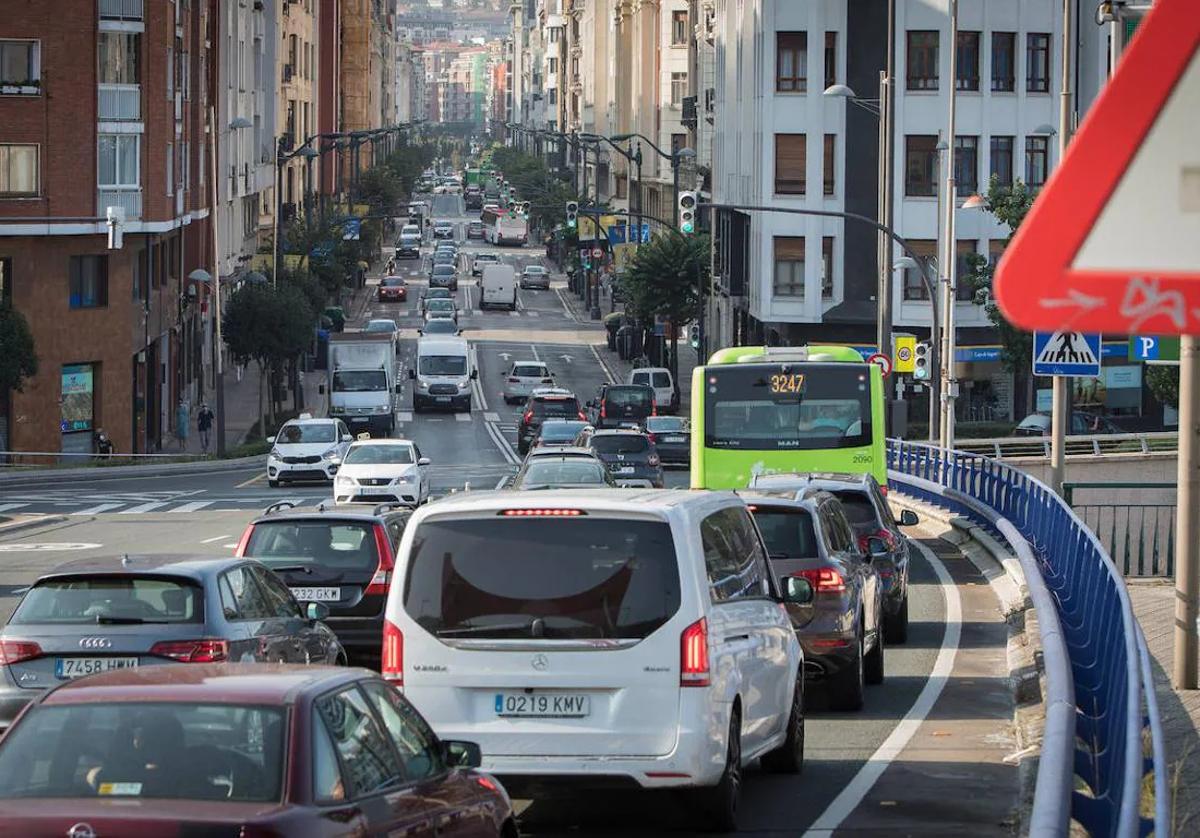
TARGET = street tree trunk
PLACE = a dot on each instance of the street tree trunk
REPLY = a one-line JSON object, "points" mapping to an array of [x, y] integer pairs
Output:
{"points": [[262, 376]]}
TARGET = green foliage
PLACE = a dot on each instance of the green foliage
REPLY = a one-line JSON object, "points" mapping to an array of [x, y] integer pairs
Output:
{"points": [[1163, 382], [268, 325], [665, 278], [18, 360], [546, 192]]}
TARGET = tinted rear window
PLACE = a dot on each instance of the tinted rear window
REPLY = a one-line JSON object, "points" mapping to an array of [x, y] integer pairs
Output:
{"points": [[562, 430], [788, 533], [621, 396], [530, 371], [662, 380], [622, 444], [556, 407], [113, 599], [562, 472], [659, 424], [553, 578], [859, 508], [392, 282], [335, 545]]}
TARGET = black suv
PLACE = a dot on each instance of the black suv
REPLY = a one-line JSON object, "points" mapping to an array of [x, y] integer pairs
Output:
{"points": [[622, 406], [550, 403], [339, 555], [629, 456]]}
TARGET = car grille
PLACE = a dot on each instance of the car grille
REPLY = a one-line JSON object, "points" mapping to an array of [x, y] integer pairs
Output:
{"points": [[443, 390], [292, 461], [374, 481]]}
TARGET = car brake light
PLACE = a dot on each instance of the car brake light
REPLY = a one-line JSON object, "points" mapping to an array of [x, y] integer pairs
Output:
{"points": [[514, 381], [693, 655], [15, 651], [824, 580], [392, 664], [883, 489], [383, 572], [603, 410], [486, 782], [528, 417], [244, 541], [650, 436], [192, 651], [542, 513], [582, 418], [653, 407]]}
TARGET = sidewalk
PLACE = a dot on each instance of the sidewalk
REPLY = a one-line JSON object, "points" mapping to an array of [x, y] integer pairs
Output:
{"points": [[1154, 606]]}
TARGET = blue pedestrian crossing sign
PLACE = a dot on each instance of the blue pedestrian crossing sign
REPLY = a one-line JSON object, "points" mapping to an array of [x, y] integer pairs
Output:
{"points": [[1066, 353]]}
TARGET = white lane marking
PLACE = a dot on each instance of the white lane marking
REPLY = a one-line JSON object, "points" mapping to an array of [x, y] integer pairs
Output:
{"points": [[608, 377], [230, 546], [529, 312], [514, 314], [491, 417], [48, 547], [462, 417], [5, 507], [404, 416], [143, 507], [191, 507], [533, 349], [566, 308], [860, 786], [502, 444], [96, 510], [214, 538]]}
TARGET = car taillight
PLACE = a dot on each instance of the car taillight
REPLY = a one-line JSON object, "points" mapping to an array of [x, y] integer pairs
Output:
{"points": [[528, 417], [542, 513], [15, 651], [514, 381], [383, 572], [392, 666], [192, 651], [244, 541], [653, 407], [651, 437], [693, 655], [582, 418], [603, 410], [883, 489], [824, 580]]}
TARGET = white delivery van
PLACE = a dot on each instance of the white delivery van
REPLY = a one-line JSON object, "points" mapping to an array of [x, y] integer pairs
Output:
{"points": [[660, 379], [498, 287], [443, 373]]}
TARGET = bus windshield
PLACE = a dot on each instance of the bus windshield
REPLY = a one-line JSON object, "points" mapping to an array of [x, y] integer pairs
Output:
{"points": [[787, 406]]}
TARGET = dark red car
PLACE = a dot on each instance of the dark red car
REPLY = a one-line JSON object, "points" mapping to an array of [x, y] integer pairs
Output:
{"points": [[392, 289], [252, 750]]}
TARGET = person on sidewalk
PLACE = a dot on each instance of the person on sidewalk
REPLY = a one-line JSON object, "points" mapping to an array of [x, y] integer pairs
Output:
{"points": [[182, 417], [204, 423]]}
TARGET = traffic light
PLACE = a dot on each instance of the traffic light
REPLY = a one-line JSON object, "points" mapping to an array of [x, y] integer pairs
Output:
{"points": [[694, 336], [525, 207], [921, 370], [687, 213], [572, 214]]}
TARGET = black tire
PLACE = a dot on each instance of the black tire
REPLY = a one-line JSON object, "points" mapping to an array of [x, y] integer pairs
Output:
{"points": [[873, 665], [274, 484], [788, 758], [717, 805], [847, 688], [895, 626]]}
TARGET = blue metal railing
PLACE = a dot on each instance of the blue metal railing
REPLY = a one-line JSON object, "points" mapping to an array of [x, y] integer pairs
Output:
{"points": [[1094, 761]]}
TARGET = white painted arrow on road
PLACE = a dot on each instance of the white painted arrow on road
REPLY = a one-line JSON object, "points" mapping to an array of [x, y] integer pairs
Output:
{"points": [[567, 358]]}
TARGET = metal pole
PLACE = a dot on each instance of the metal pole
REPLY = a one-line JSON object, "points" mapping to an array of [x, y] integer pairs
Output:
{"points": [[216, 281], [1187, 524], [1060, 392], [675, 192], [935, 353], [275, 248], [888, 152], [950, 384]]}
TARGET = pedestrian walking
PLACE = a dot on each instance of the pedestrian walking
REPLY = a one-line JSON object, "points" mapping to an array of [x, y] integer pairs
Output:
{"points": [[182, 420], [204, 422]]}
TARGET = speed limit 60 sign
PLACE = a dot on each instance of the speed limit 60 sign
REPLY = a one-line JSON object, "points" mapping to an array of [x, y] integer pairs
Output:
{"points": [[906, 353]]}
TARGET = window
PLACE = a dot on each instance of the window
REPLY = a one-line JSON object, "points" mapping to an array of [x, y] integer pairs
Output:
{"points": [[118, 160], [922, 60], [966, 76], [679, 28], [789, 267], [791, 62], [18, 170], [1037, 62], [830, 162], [1037, 161], [411, 734], [327, 774], [920, 165], [678, 88], [242, 597], [830, 59], [791, 158], [276, 595], [839, 537], [118, 56], [1004, 63], [170, 73], [170, 168], [6, 282], [551, 65], [89, 281], [827, 268], [966, 165], [1002, 160], [368, 761], [678, 141], [552, 93], [733, 556], [914, 285], [19, 62]]}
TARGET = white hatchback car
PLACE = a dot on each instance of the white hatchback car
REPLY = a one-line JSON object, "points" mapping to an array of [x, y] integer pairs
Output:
{"points": [[383, 471], [597, 637], [523, 378]]}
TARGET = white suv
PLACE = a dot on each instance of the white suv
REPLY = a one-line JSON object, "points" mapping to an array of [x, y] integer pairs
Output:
{"points": [[619, 636]]}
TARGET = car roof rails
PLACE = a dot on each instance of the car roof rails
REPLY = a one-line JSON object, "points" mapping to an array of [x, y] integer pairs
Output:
{"points": [[279, 507], [381, 508]]}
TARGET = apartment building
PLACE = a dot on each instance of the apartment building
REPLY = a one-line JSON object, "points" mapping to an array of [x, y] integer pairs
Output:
{"points": [[367, 62], [120, 334], [298, 68]]}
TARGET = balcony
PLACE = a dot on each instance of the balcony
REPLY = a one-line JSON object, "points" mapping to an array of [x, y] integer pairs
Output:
{"points": [[120, 102], [129, 199], [121, 9]]}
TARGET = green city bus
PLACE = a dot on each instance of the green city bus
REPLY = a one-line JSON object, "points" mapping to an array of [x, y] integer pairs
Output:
{"points": [[759, 410]]}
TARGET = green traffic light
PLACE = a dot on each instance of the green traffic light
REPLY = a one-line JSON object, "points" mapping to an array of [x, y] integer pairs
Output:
{"points": [[687, 227]]}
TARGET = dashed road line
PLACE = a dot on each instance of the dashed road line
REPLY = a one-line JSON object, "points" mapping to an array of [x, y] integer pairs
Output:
{"points": [[192, 507], [143, 507], [214, 538], [491, 417], [98, 509], [404, 416], [462, 417]]}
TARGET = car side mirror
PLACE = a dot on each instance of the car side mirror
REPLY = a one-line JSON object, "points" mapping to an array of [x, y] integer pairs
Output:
{"points": [[876, 547], [474, 373], [458, 754], [412, 374], [797, 590], [316, 611], [423, 461], [908, 518], [347, 438], [270, 440]]}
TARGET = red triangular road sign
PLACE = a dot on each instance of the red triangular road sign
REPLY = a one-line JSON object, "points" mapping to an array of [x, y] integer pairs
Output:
{"points": [[1112, 243]]}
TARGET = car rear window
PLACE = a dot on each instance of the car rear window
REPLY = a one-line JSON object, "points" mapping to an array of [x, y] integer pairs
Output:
{"points": [[622, 396], [556, 407], [530, 371], [620, 444], [562, 430], [660, 424], [109, 600], [662, 380], [553, 578], [859, 509], [330, 544], [443, 270], [788, 533], [562, 472], [186, 751], [392, 282]]}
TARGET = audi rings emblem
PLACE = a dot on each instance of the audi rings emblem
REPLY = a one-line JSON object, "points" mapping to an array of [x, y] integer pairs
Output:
{"points": [[94, 643], [540, 662], [81, 830]]}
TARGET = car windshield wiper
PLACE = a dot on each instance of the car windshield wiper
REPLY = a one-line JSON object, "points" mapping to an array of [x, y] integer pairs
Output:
{"points": [[291, 568]]}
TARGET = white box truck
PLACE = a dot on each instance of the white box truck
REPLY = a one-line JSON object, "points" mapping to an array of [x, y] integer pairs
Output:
{"points": [[364, 381], [498, 287]]}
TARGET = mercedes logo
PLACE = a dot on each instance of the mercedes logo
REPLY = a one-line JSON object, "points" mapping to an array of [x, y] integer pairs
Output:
{"points": [[94, 643], [540, 662], [81, 830]]}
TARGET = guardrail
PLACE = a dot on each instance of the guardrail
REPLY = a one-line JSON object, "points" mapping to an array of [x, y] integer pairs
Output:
{"points": [[1094, 759], [1005, 447], [1137, 531]]}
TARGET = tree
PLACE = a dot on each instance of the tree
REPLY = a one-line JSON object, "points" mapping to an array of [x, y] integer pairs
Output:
{"points": [[1163, 382], [18, 360]]}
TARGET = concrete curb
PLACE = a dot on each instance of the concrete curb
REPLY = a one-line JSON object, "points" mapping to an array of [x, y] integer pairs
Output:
{"points": [[43, 477], [30, 523]]}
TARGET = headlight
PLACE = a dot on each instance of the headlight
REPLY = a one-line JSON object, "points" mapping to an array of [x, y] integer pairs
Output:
{"points": [[345, 481], [273, 455], [383, 408], [405, 478], [331, 456]]}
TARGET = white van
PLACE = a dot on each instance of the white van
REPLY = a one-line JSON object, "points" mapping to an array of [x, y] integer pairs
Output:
{"points": [[498, 287], [443, 374], [626, 636], [658, 378]]}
